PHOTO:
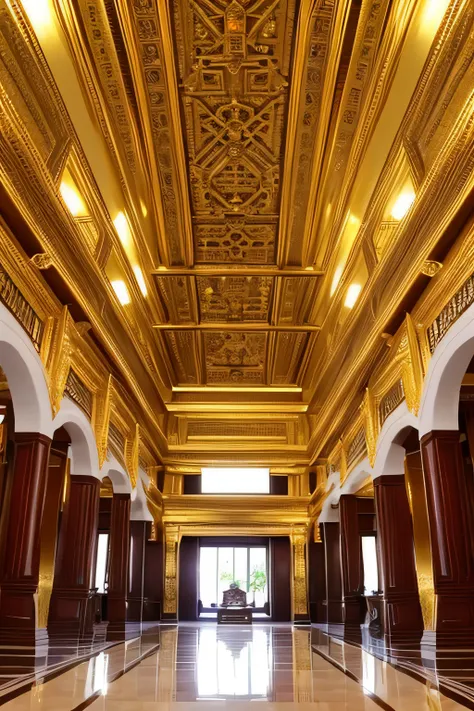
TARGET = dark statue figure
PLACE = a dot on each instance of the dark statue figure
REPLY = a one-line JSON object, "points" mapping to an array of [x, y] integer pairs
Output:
{"points": [[234, 596]]}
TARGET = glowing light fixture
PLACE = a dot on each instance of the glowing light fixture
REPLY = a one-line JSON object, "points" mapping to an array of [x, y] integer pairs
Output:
{"points": [[352, 295], [121, 290], [140, 279], [402, 204], [73, 200], [39, 14], [239, 480], [336, 278], [123, 230]]}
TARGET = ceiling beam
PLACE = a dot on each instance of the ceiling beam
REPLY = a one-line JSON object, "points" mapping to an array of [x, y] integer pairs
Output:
{"points": [[240, 326], [237, 271]]}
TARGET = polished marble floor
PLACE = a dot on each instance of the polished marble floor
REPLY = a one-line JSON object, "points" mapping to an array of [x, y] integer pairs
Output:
{"points": [[201, 666]]}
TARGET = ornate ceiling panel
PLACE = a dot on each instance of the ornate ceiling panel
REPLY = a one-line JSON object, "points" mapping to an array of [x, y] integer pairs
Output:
{"points": [[233, 64]]}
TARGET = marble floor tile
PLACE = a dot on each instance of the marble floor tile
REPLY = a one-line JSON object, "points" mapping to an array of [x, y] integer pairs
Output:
{"points": [[273, 668]]}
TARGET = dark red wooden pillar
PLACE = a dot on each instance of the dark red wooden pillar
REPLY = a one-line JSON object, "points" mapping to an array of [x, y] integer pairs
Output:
{"points": [[317, 581], [351, 563], [332, 551], [403, 621], [137, 563], [20, 572], [153, 577], [74, 560], [451, 531], [118, 566]]}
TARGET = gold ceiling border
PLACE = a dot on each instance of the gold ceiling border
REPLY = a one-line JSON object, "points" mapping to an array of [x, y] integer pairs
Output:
{"points": [[444, 189]]}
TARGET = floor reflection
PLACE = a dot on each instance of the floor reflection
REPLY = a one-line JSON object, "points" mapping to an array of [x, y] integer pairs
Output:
{"points": [[236, 664]]}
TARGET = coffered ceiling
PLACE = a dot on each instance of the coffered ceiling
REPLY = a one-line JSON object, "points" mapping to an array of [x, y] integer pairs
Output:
{"points": [[225, 137]]}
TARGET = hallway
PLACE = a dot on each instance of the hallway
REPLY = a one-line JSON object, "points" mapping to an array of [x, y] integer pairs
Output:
{"points": [[206, 666]]}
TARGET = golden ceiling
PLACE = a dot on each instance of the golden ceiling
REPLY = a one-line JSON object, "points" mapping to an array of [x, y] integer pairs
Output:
{"points": [[243, 170]]}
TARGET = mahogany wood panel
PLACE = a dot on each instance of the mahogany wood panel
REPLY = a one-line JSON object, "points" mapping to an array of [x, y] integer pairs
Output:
{"points": [[451, 531], [153, 579], [105, 512], [402, 611], [74, 559], [317, 582], [188, 578], [279, 485], [351, 562], [20, 572], [192, 484], [119, 550], [333, 572], [137, 562], [280, 578]]}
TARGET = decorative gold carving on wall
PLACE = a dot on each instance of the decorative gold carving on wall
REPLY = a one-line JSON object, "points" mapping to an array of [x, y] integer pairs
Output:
{"points": [[42, 260], [79, 392], [132, 448], [391, 400], [60, 359], [370, 420], [357, 449], [431, 267], [170, 602], [412, 366], [455, 307], [300, 584], [202, 429], [15, 302]]}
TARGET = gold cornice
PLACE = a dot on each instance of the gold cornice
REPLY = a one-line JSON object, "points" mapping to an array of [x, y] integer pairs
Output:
{"points": [[234, 510]]}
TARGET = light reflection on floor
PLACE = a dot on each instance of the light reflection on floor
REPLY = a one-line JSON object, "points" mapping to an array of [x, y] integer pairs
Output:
{"points": [[234, 665], [201, 666]]}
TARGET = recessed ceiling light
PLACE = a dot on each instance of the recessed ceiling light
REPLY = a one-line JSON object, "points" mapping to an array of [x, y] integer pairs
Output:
{"points": [[121, 290], [140, 279], [352, 295], [123, 229], [73, 200], [336, 279], [402, 204]]}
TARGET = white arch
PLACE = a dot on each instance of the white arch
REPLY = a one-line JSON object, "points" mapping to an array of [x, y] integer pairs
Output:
{"points": [[357, 476], [440, 399], [140, 510], [26, 377], [328, 512], [84, 456], [390, 456], [117, 475]]}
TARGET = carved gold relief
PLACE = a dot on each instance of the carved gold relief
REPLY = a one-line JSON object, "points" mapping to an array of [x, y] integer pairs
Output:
{"points": [[235, 358], [300, 585], [234, 298], [170, 602], [233, 60]]}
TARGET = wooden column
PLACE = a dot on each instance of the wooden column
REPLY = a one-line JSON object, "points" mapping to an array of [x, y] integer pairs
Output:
{"points": [[153, 574], [280, 578], [137, 563], [20, 572], [74, 560], [332, 552], [451, 529], [317, 581], [403, 620], [354, 607], [188, 578], [119, 550]]}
